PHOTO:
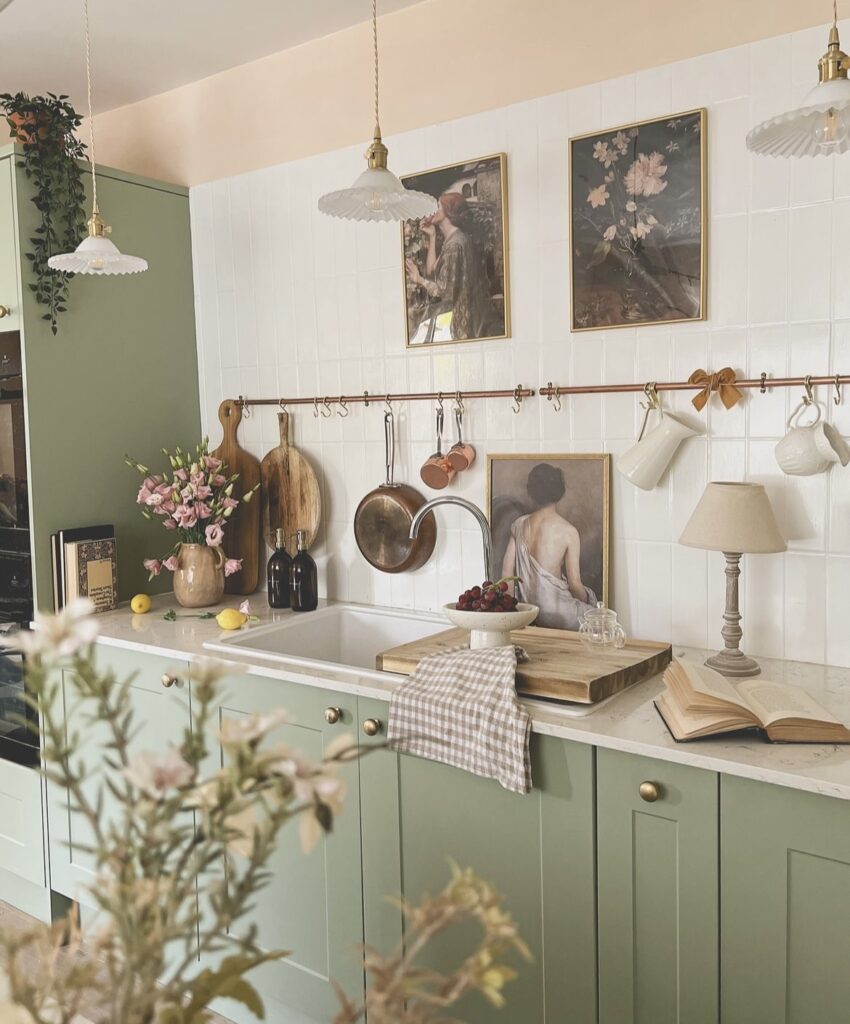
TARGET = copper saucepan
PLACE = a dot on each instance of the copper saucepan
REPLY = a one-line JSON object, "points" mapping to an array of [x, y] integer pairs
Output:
{"points": [[383, 518]]}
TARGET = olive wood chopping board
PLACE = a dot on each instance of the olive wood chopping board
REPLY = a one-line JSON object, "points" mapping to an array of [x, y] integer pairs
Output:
{"points": [[291, 496], [560, 668], [242, 533]]}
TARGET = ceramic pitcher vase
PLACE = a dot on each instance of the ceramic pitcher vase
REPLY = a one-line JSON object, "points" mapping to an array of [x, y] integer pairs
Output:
{"points": [[199, 576]]}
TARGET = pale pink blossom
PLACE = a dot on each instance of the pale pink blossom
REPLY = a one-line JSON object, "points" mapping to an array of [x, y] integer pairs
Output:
{"points": [[235, 731], [181, 475], [58, 636], [169, 524], [604, 155], [232, 565], [621, 142], [153, 566], [214, 534], [153, 500], [184, 515], [202, 510], [245, 607], [156, 774], [640, 230], [598, 196], [218, 480], [229, 503], [170, 563], [211, 462], [644, 177], [610, 233], [631, 206]]}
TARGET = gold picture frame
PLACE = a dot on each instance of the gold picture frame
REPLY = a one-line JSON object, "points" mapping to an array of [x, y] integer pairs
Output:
{"points": [[656, 182], [584, 505], [464, 178]]}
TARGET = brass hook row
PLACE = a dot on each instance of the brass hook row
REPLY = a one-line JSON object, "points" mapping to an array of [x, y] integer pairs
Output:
{"points": [[322, 406]]}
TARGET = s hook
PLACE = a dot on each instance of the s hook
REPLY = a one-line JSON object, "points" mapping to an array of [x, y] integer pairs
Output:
{"points": [[809, 397], [326, 409], [343, 407], [515, 408], [763, 386], [837, 385]]}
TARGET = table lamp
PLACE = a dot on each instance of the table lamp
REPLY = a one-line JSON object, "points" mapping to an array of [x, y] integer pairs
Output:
{"points": [[737, 519]]}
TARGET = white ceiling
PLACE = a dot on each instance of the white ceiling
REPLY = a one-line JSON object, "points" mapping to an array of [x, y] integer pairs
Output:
{"points": [[144, 47]]}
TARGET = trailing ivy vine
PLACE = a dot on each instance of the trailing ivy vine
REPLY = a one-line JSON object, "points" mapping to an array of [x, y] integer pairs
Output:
{"points": [[45, 126]]}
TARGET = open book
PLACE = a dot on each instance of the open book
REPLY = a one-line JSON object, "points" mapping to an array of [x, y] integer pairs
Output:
{"points": [[701, 702]]}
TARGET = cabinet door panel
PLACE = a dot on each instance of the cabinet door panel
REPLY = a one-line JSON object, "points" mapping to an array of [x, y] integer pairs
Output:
{"points": [[21, 822], [8, 250], [161, 716], [312, 905], [657, 891], [785, 873], [536, 849]]}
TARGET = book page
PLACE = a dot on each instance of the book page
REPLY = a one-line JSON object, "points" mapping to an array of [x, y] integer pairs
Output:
{"points": [[773, 702], [706, 681]]}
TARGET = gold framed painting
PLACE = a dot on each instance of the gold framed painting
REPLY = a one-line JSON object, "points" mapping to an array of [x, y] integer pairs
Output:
{"points": [[550, 518], [638, 223], [455, 261]]}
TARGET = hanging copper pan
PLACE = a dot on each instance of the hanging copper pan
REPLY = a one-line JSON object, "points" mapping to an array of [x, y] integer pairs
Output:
{"points": [[383, 518]]}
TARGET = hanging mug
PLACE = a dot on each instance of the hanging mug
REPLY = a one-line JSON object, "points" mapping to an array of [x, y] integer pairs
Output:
{"points": [[647, 460], [461, 455], [810, 447], [437, 472]]}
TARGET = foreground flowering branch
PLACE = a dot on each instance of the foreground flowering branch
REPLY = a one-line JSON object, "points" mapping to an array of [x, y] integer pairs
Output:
{"points": [[181, 854]]}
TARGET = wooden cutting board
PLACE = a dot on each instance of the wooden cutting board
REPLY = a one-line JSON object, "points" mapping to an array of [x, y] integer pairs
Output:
{"points": [[291, 496], [242, 533], [560, 668]]}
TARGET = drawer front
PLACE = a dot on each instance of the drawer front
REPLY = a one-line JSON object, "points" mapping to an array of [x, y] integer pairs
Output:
{"points": [[657, 868], [148, 670]]}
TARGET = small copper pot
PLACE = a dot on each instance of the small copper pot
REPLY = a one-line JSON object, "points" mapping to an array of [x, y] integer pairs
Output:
{"points": [[437, 472], [461, 455]]}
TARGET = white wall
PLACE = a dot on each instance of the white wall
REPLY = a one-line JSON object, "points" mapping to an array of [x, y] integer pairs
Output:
{"points": [[293, 303]]}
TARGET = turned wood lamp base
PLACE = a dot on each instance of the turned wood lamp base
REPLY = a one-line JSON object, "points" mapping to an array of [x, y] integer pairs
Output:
{"points": [[732, 661]]}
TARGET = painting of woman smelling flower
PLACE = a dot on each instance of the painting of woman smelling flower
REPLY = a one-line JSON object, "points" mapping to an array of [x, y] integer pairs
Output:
{"points": [[637, 223]]}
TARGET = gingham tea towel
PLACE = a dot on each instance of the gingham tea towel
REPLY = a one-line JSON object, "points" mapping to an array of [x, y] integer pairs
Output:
{"points": [[461, 708]]}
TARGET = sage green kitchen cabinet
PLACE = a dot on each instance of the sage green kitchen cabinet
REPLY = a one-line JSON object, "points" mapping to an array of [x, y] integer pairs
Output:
{"points": [[10, 320], [160, 705], [657, 870], [313, 903], [785, 905], [22, 847], [538, 851]]}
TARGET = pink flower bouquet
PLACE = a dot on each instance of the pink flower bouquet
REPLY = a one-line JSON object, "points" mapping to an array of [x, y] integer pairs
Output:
{"points": [[194, 501]]}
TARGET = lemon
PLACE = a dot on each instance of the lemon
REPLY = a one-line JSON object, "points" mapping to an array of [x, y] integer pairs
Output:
{"points": [[231, 618], [140, 604]]}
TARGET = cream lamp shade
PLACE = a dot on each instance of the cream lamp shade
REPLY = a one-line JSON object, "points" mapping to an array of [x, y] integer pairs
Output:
{"points": [[734, 517]]}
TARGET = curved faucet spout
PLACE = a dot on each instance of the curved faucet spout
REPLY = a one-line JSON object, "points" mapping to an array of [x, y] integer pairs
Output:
{"points": [[481, 519]]}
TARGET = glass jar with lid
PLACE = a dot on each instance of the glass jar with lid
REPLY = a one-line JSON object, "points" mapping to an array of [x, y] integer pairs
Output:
{"points": [[598, 627]]}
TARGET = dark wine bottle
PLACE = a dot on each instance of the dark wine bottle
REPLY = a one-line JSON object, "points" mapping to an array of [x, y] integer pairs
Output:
{"points": [[278, 574], [305, 578]]}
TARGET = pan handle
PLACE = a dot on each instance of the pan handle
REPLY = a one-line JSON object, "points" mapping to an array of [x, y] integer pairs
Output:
{"points": [[439, 430], [459, 424], [389, 447]]}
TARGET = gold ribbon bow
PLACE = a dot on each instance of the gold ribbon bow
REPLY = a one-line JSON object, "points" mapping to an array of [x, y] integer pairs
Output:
{"points": [[723, 382]]}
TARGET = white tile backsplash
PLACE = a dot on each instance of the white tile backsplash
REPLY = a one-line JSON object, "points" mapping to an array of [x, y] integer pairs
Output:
{"points": [[293, 303]]}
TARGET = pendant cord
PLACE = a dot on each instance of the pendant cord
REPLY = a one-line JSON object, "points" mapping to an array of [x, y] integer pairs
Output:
{"points": [[375, 51], [91, 115]]}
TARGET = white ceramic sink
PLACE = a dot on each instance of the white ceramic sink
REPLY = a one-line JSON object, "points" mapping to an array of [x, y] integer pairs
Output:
{"points": [[341, 637]]}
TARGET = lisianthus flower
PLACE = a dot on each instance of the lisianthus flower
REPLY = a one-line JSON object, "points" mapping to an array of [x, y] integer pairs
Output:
{"points": [[170, 563], [153, 566], [214, 534], [232, 565], [185, 516]]}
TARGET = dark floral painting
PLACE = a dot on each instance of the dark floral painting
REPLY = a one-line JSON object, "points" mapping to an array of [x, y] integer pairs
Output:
{"points": [[638, 223], [456, 260]]}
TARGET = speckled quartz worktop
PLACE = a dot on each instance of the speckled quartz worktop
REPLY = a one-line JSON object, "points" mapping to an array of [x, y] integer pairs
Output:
{"points": [[627, 721]]}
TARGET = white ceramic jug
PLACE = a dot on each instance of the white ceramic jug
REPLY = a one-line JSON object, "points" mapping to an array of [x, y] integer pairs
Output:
{"points": [[645, 462]]}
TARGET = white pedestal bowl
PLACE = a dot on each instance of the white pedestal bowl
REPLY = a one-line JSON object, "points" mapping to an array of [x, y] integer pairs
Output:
{"points": [[491, 629]]}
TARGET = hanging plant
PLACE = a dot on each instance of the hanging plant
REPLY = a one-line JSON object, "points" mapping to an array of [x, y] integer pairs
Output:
{"points": [[45, 127]]}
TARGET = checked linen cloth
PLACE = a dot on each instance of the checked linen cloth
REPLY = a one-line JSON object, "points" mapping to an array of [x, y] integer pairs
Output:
{"points": [[461, 708]]}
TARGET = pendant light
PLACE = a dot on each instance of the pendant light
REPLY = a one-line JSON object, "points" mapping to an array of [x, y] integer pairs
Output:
{"points": [[96, 254], [822, 124], [377, 194]]}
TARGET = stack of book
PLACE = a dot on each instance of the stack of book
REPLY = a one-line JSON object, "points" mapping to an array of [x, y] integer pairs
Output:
{"points": [[85, 564], [701, 702]]}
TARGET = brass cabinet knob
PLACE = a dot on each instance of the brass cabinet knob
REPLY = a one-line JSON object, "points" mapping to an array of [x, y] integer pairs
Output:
{"points": [[372, 726], [4, 311], [168, 680], [333, 715], [649, 791]]}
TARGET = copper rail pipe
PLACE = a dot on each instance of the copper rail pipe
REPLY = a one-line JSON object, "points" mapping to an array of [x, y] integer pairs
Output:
{"points": [[684, 385], [368, 398]]}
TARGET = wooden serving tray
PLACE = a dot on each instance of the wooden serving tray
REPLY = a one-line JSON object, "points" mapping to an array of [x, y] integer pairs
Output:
{"points": [[559, 668]]}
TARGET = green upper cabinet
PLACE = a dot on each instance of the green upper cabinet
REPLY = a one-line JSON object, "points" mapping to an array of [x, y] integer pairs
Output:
{"points": [[658, 892], [120, 377], [537, 850], [785, 874], [9, 283], [312, 904]]}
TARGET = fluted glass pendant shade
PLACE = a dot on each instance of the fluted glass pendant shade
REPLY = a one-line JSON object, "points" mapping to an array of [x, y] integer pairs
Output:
{"points": [[377, 194], [96, 254], [819, 127]]}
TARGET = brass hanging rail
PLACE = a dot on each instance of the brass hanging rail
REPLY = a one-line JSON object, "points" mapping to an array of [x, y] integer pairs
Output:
{"points": [[369, 398], [763, 383]]}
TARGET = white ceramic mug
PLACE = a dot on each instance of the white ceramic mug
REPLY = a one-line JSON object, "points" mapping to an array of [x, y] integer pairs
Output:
{"points": [[645, 462], [810, 447]]}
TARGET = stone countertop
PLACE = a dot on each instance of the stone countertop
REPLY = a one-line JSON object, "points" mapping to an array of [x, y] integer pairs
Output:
{"points": [[628, 721]]}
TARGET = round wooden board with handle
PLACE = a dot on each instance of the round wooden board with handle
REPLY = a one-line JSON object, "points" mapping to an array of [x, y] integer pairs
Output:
{"points": [[242, 533], [291, 496]]}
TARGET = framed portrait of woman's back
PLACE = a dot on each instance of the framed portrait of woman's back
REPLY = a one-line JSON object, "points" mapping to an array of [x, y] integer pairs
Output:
{"points": [[455, 261], [549, 515]]}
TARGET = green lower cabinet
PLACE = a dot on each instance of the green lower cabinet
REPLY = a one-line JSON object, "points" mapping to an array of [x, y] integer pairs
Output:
{"points": [[785, 874], [312, 904], [161, 716], [657, 892], [538, 850]]}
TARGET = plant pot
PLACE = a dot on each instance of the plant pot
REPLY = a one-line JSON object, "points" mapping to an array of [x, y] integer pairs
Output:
{"points": [[199, 576]]}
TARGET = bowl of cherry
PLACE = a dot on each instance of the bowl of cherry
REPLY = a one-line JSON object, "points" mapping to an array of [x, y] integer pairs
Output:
{"points": [[490, 613]]}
